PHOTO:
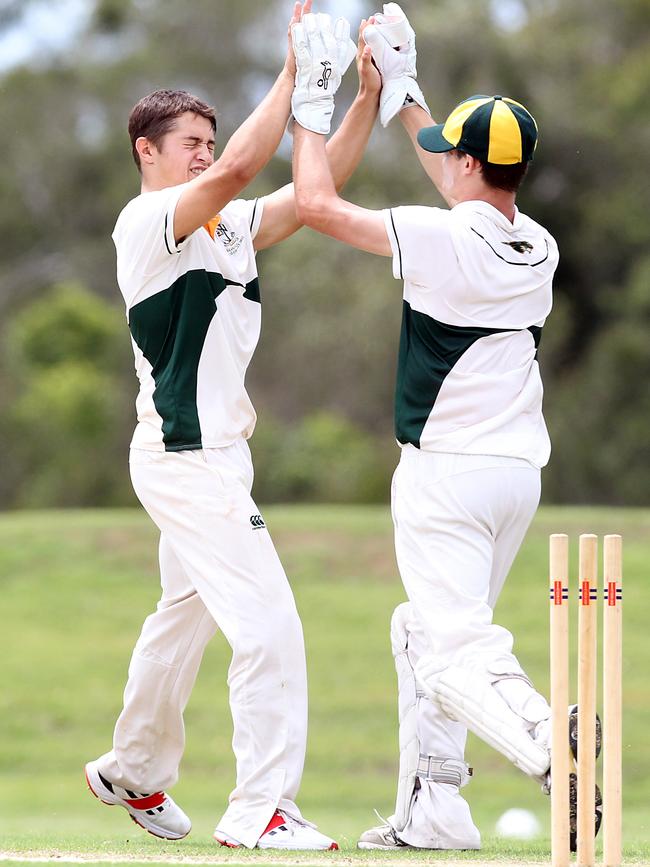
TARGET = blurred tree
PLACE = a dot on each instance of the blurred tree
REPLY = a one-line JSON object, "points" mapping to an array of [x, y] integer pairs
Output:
{"points": [[323, 458], [66, 405], [67, 324]]}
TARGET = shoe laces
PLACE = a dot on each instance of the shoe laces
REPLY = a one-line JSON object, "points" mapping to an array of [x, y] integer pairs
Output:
{"points": [[291, 823], [391, 831], [381, 818]]}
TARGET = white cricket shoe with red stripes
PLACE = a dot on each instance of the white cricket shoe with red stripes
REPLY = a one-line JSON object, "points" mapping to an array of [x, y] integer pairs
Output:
{"points": [[156, 813], [284, 832]]}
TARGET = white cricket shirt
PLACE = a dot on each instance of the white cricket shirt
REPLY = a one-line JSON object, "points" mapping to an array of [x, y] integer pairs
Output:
{"points": [[477, 290], [194, 314]]}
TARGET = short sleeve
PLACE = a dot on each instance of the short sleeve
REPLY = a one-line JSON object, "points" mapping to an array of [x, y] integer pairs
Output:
{"points": [[248, 212], [421, 243], [144, 233], [256, 216]]}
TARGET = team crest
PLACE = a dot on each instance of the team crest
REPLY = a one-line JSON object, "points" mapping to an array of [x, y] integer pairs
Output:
{"points": [[519, 246], [231, 241]]}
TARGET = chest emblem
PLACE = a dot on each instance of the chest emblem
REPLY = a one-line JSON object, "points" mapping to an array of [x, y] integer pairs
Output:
{"points": [[219, 232], [519, 246]]}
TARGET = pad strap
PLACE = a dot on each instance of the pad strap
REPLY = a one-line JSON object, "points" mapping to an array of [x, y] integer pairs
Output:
{"points": [[439, 770]]}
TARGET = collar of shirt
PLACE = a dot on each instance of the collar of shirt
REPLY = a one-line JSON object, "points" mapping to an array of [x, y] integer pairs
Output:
{"points": [[488, 210]]}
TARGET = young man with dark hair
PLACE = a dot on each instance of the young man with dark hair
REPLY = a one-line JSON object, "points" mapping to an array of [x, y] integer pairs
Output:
{"points": [[186, 268], [468, 417], [156, 114]]}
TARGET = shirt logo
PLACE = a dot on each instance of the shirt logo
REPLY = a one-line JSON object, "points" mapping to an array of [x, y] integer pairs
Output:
{"points": [[257, 522], [231, 241], [519, 246]]}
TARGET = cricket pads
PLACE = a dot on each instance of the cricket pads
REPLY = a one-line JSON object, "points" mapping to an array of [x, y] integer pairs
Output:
{"points": [[409, 745], [470, 698]]}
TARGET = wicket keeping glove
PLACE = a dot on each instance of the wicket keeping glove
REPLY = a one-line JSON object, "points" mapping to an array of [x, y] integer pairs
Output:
{"points": [[323, 53], [392, 41]]}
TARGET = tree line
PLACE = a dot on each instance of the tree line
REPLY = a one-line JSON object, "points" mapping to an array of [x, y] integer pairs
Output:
{"points": [[323, 377]]}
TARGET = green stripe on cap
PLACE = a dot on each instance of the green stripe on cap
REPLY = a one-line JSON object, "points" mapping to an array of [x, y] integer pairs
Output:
{"points": [[453, 128]]}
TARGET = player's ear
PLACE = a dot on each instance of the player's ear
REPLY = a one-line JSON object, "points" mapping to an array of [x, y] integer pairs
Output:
{"points": [[472, 164], [145, 149]]}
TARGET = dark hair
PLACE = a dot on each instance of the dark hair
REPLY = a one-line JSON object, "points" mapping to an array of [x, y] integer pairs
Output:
{"points": [[155, 115], [506, 178]]}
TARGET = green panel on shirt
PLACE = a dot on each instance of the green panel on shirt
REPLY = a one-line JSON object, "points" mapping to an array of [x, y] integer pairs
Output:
{"points": [[170, 329], [428, 351]]}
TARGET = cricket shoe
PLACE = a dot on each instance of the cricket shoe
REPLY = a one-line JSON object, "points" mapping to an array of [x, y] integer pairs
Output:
{"points": [[381, 837], [543, 734], [573, 812], [385, 837], [573, 732], [284, 832], [573, 779], [156, 813]]}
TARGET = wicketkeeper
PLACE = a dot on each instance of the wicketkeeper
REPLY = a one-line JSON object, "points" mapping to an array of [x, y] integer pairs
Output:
{"points": [[468, 418]]}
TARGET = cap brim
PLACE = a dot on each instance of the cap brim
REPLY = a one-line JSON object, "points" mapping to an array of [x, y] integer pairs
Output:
{"points": [[431, 139]]}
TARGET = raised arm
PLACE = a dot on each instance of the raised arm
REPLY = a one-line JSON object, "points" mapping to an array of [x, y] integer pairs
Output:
{"points": [[344, 152], [413, 120], [317, 201], [247, 152], [392, 40], [347, 145], [319, 206]]}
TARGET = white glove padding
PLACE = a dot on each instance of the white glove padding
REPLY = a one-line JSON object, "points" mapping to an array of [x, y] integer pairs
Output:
{"points": [[392, 41], [323, 53]]}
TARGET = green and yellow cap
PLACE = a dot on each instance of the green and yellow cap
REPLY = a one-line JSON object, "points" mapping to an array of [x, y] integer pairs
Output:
{"points": [[494, 129]]}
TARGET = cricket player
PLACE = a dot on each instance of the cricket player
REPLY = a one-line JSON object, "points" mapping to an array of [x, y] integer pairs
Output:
{"points": [[186, 268], [468, 418]]}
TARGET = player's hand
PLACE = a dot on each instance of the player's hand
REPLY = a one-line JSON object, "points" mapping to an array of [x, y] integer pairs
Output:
{"points": [[392, 40], [323, 51], [369, 76], [299, 9], [396, 32]]}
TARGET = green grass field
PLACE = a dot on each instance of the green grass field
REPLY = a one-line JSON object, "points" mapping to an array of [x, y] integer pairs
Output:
{"points": [[76, 587]]}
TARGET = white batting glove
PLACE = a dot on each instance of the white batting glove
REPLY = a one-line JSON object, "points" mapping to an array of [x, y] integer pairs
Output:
{"points": [[323, 53], [392, 40]]}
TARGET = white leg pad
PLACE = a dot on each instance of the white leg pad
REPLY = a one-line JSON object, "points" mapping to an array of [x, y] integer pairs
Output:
{"points": [[409, 746], [471, 698]]}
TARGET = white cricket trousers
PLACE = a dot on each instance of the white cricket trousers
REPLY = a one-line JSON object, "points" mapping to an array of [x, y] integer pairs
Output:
{"points": [[218, 567], [459, 521]]}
